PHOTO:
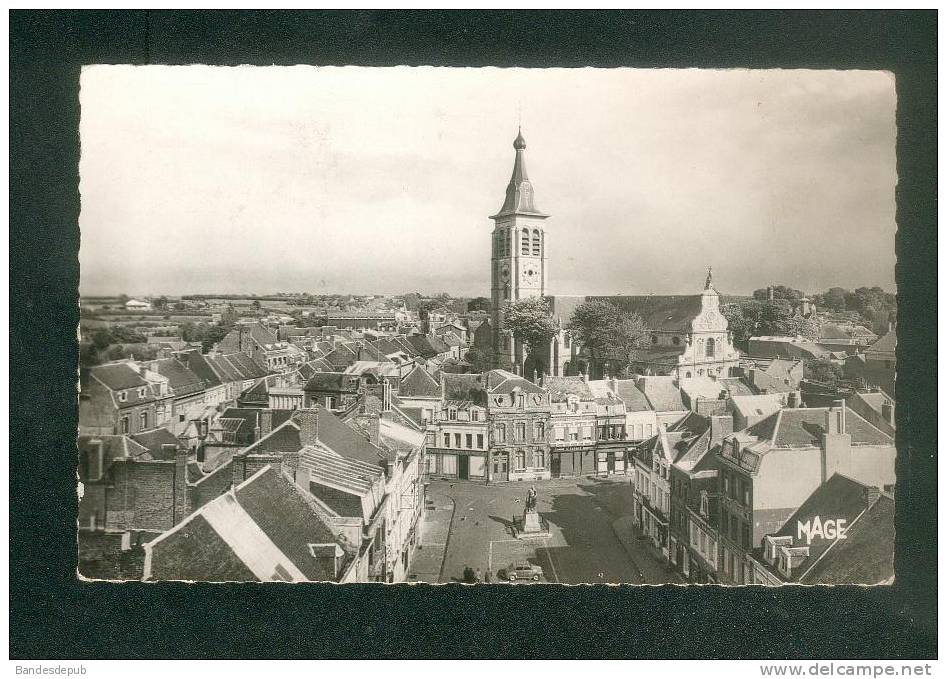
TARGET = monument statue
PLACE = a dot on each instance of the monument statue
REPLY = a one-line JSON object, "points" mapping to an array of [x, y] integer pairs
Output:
{"points": [[531, 525]]}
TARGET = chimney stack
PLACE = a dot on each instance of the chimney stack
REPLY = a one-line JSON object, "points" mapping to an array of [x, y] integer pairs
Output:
{"points": [[793, 399], [308, 422], [721, 426], [887, 412], [266, 422], [385, 396], [870, 496]]}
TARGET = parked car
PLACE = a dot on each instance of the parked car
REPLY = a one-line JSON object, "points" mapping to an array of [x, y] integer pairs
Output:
{"points": [[523, 570]]}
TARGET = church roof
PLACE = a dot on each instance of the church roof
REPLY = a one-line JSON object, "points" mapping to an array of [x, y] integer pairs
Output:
{"points": [[519, 192]]}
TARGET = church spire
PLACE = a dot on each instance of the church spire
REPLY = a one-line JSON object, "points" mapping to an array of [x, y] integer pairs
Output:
{"points": [[710, 278], [519, 192]]}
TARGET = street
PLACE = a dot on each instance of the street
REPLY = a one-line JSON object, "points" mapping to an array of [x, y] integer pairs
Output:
{"points": [[582, 547]]}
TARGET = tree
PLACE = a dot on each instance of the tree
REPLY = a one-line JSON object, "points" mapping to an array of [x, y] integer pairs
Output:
{"points": [[779, 292], [530, 322], [480, 360], [160, 303], [777, 318], [606, 333], [823, 371], [741, 323]]}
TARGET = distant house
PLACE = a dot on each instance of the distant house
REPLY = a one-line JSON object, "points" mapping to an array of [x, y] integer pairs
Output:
{"points": [[335, 391], [262, 345], [137, 305], [880, 362], [843, 534], [772, 375], [264, 529]]}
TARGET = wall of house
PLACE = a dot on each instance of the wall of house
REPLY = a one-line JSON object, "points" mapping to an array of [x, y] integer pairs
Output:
{"points": [[211, 486], [142, 496]]}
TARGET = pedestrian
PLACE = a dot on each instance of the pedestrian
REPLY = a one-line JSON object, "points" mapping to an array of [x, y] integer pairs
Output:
{"points": [[478, 575], [488, 577]]}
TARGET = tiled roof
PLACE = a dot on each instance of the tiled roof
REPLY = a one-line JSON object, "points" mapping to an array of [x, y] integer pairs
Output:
{"points": [[758, 405], [662, 393], [197, 363], [802, 427], [419, 384], [669, 313], [869, 558], [735, 386], [153, 439], [560, 388], [886, 344], [114, 447], [503, 382], [341, 439], [259, 531], [180, 378], [118, 376], [634, 398]]}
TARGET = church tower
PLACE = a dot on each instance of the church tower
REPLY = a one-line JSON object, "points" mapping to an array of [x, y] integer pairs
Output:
{"points": [[519, 256]]}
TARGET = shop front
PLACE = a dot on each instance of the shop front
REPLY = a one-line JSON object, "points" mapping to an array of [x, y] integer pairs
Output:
{"points": [[456, 464], [571, 461]]}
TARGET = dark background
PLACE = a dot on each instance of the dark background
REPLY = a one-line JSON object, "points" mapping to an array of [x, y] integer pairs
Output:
{"points": [[55, 616]]}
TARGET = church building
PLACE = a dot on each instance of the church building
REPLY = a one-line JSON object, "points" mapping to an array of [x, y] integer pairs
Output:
{"points": [[687, 335]]}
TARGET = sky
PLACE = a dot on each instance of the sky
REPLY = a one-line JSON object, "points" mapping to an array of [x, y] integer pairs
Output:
{"points": [[202, 179]]}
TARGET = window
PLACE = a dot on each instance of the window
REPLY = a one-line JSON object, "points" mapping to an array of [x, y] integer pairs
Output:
{"points": [[574, 434], [501, 433], [447, 440], [474, 415], [747, 539], [449, 464], [122, 396], [711, 347], [536, 240], [141, 392], [521, 400], [143, 421], [180, 417], [525, 242], [469, 440], [506, 295], [559, 433], [520, 431], [540, 433], [648, 428], [457, 440], [124, 422], [539, 459], [519, 460], [480, 441], [452, 413], [724, 523]]}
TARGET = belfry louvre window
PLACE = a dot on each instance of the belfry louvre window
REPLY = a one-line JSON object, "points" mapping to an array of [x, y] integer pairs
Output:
{"points": [[536, 246], [525, 242]]}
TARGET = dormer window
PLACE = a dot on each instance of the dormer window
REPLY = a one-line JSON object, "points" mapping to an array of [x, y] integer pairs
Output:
{"points": [[474, 415], [122, 396], [521, 400], [141, 392], [452, 413]]}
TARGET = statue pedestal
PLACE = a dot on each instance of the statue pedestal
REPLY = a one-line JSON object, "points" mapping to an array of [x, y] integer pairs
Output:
{"points": [[531, 526]]}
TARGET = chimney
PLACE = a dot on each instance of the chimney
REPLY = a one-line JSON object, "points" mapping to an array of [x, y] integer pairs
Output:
{"points": [[180, 507], [793, 399], [585, 377], [835, 418], [308, 421], [887, 412], [870, 496], [96, 460], [385, 396], [289, 464], [836, 443], [542, 377], [374, 429], [266, 422], [257, 431], [721, 426], [302, 477]]}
